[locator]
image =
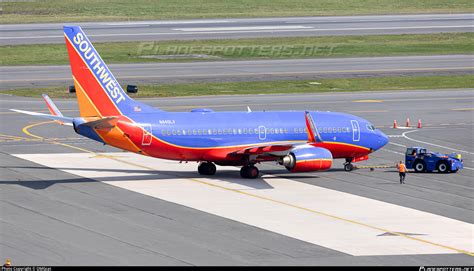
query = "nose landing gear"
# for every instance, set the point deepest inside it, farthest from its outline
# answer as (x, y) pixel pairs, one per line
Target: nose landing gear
(348, 165)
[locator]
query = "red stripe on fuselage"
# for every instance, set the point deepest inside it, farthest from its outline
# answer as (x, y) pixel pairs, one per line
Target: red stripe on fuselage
(89, 83)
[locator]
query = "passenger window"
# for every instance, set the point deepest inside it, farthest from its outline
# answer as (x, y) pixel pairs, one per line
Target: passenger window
(204, 132)
(178, 132)
(214, 131)
(184, 132)
(168, 132)
(245, 131)
(240, 131)
(219, 131)
(174, 132)
(194, 132)
(199, 132)
(296, 130)
(163, 132)
(250, 131)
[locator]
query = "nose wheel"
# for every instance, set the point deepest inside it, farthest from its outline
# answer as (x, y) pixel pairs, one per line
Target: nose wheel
(348, 166)
(207, 168)
(249, 172)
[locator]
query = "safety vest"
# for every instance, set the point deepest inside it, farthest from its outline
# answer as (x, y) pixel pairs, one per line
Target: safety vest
(402, 168)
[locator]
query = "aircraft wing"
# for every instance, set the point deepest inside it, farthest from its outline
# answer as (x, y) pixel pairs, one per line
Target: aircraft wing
(283, 147)
(268, 148)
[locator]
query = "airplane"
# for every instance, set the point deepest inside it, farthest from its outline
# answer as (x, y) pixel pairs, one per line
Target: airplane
(300, 141)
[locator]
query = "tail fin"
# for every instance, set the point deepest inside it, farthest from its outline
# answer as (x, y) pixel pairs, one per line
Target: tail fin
(98, 92)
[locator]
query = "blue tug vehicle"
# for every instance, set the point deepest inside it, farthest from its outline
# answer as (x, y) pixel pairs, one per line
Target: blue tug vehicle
(421, 160)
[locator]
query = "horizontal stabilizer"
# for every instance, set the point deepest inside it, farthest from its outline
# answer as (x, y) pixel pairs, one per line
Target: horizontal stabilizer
(65, 120)
(104, 123)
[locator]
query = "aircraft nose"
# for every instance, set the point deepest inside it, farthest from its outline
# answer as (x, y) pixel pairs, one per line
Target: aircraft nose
(382, 140)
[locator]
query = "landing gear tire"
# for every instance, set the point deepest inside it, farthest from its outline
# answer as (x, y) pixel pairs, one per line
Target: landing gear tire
(443, 167)
(249, 172)
(207, 168)
(348, 167)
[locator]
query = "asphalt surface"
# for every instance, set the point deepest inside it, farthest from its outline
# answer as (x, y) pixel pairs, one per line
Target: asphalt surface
(52, 217)
(43, 76)
(241, 28)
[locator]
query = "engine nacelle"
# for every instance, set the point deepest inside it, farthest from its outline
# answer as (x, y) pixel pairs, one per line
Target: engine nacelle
(307, 158)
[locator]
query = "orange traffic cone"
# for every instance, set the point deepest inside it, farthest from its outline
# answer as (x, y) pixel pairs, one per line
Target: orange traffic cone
(408, 122)
(419, 123)
(394, 124)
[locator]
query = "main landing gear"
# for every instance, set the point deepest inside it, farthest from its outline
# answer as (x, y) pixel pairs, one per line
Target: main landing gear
(348, 165)
(207, 168)
(249, 172)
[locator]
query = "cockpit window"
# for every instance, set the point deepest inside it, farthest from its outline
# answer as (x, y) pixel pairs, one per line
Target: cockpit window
(371, 127)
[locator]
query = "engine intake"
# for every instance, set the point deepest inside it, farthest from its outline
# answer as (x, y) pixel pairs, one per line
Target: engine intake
(307, 158)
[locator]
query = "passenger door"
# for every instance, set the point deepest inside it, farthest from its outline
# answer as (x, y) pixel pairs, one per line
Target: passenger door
(355, 130)
(262, 133)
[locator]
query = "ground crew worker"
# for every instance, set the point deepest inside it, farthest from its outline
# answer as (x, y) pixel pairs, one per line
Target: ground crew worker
(402, 169)
(7, 263)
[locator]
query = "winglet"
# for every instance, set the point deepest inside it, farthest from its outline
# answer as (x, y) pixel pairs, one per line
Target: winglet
(313, 134)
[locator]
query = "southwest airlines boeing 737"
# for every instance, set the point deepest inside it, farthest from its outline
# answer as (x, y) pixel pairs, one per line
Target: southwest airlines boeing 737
(301, 141)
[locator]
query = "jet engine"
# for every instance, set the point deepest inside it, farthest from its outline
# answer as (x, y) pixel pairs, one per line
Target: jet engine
(307, 158)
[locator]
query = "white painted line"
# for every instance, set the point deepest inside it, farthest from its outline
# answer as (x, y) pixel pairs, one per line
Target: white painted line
(240, 28)
(431, 144)
(392, 151)
(169, 22)
(333, 219)
(249, 31)
(396, 144)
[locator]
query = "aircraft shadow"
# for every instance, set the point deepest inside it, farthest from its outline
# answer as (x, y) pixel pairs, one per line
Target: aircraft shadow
(142, 175)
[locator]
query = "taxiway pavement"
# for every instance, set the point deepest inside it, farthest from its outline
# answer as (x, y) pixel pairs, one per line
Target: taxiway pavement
(241, 28)
(54, 211)
(12, 77)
